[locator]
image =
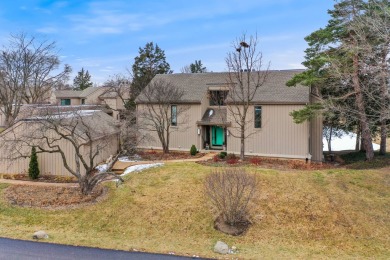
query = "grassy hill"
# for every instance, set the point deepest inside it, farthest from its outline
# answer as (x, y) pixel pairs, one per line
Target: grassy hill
(343, 213)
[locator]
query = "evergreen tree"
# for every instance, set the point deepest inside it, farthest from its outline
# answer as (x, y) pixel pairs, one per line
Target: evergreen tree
(33, 169)
(150, 62)
(196, 67)
(82, 80)
(340, 63)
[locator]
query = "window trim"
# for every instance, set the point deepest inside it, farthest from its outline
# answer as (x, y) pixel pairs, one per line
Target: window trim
(257, 121)
(173, 115)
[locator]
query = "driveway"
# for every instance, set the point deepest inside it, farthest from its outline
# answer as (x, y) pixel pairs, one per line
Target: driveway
(13, 249)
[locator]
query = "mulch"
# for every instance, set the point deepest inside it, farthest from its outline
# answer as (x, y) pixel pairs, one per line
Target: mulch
(158, 155)
(41, 178)
(52, 197)
(268, 163)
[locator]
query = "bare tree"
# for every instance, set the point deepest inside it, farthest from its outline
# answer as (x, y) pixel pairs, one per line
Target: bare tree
(161, 107)
(85, 133)
(27, 75)
(246, 75)
(119, 86)
(231, 192)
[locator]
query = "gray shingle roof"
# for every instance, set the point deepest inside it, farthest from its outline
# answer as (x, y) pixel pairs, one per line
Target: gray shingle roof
(214, 116)
(76, 93)
(195, 86)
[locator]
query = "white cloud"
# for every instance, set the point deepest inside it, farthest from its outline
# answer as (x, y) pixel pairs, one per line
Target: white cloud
(47, 30)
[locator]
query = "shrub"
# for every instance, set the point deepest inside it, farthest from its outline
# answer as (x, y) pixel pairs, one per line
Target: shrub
(231, 156)
(222, 155)
(193, 150)
(33, 169)
(255, 160)
(216, 158)
(231, 192)
(232, 161)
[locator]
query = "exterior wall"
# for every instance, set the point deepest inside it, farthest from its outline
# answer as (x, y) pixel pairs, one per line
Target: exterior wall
(278, 136)
(183, 136)
(49, 163)
(2, 119)
(316, 128)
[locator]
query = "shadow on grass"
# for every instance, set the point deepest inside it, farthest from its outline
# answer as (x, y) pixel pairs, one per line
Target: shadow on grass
(357, 160)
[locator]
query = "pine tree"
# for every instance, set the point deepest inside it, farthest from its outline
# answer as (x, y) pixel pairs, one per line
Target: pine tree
(339, 61)
(150, 62)
(33, 169)
(82, 80)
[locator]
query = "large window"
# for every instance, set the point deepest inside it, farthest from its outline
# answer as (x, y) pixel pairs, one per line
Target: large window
(65, 102)
(217, 97)
(174, 115)
(257, 116)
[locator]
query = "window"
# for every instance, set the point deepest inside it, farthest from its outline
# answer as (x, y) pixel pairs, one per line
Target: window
(174, 115)
(83, 101)
(65, 102)
(257, 117)
(217, 97)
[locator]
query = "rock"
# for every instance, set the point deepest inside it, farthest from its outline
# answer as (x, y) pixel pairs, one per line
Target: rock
(221, 248)
(40, 235)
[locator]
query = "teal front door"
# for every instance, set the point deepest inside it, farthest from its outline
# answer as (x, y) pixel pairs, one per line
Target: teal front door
(217, 136)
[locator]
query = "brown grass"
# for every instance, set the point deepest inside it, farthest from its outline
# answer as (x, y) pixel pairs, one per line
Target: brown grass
(309, 214)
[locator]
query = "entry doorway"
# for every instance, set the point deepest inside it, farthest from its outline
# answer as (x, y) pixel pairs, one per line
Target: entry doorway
(217, 136)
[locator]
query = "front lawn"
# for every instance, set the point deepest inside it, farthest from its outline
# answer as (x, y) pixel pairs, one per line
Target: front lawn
(330, 213)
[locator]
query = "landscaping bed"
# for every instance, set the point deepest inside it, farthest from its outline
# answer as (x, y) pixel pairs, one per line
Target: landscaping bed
(51, 197)
(41, 178)
(156, 155)
(231, 160)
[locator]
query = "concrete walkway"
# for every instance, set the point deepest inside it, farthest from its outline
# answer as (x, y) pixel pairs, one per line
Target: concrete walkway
(118, 167)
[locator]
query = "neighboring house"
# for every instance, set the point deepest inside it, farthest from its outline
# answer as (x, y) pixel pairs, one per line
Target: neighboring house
(115, 99)
(208, 123)
(88, 96)
(105, 139)
(93, 96)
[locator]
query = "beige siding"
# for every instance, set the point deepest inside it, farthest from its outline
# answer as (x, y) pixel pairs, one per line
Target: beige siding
(279, 136)
(183, 135)
(49, 163)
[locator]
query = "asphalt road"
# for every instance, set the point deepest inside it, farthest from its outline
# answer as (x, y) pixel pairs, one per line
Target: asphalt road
(11, 249)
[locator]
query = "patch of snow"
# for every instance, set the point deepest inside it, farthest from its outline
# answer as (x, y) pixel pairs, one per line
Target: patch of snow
(102, 167)
(345, 142)
(141, 167)
(134, 158)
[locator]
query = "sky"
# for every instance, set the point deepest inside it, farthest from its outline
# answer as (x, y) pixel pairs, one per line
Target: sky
(104, 37)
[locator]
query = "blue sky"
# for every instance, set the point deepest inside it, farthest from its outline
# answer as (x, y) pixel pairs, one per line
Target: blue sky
(104, 36)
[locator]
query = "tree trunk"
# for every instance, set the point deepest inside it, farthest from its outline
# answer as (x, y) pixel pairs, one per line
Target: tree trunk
(242, 139)
(329, 141)
(384, 106)
(85, 187)
(366, 132)
(358, 133)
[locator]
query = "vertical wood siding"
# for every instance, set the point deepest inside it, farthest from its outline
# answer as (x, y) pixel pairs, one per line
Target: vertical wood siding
(278, 136)
(51, 163)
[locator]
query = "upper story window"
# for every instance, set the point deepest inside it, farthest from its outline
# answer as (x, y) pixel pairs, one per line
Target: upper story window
(257, 116)
(218, 97)
(174, 115)
(65, 102)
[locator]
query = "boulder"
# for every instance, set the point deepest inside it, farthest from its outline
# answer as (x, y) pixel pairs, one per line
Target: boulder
(40, 235)
(221, 248)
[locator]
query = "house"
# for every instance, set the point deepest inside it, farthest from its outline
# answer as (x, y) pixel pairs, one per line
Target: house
(112, 98)
(88, 96)
(209, 123)
(93, 130)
